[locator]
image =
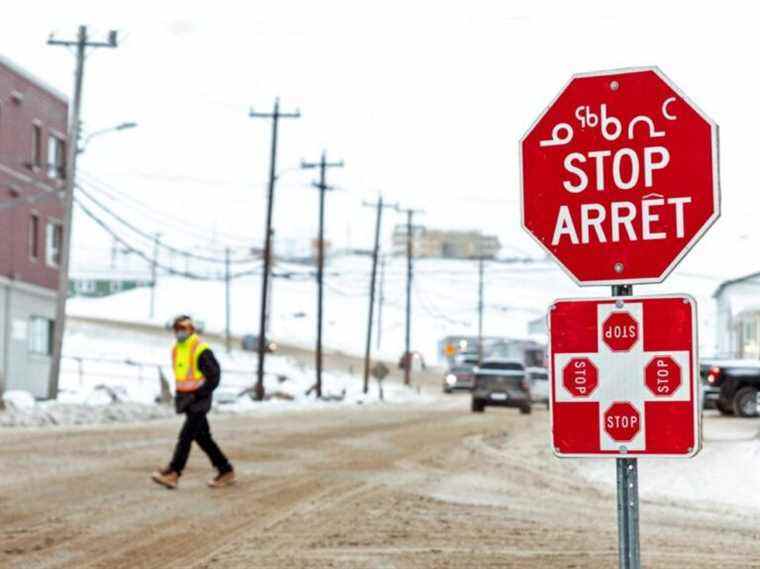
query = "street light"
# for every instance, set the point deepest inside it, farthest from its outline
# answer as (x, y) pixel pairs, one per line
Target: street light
(122, 126)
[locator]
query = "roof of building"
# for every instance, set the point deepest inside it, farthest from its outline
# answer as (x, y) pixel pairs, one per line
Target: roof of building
(110, 275)
(728, 283)
(5, 62)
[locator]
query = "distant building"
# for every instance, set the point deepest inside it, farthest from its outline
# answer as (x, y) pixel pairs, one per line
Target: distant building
(448, 244)
(738, 320)
(99, 285)
(33, 123)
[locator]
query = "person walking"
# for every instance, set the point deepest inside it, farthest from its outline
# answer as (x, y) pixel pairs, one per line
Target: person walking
(197, 374)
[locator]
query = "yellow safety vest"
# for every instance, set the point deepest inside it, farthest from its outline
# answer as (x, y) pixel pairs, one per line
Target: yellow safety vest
(185, 361)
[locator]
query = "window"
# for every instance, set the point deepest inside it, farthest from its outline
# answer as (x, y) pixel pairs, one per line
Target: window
(37, 145)
(56, 161)
(41, 335)
(507, 366)
(34, 237)
(53, 243)
(749, 331)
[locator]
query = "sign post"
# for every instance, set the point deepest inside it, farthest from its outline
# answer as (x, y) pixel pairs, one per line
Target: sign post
(624, 384)
(629, 546)
(619, 180)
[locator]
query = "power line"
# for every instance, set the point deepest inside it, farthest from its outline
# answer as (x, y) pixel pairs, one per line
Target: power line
(150, 237)
(148, 259)
(161, 217)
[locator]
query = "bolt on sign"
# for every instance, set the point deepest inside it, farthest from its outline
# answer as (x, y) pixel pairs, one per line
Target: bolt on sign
(624, 377)
(619, 177)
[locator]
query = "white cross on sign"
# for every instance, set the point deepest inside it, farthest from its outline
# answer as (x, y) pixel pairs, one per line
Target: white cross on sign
(608, 384)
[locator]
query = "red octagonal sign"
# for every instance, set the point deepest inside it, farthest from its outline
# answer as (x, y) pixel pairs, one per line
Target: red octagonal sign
(662, 376)
(620, 177)
(622, 421)
(620, 331)
(580, 377)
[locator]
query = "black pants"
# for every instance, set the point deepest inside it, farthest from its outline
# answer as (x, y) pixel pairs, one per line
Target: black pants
(196, 428)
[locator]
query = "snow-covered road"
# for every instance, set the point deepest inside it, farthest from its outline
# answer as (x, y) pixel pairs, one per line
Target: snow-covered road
(406, 486)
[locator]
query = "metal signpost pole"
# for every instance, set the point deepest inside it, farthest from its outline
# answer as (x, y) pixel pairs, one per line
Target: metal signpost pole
(627, 493)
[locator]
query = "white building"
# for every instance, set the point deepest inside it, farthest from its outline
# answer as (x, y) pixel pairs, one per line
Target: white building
(738, 321)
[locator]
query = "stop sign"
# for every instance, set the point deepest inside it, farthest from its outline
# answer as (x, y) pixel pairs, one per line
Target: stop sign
(622, 421)
(620, 331)
(662, 376)
(620, 177)
(580, 377)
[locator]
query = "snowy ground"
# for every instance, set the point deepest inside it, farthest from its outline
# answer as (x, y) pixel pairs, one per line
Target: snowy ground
(112, 375)
(725, 471)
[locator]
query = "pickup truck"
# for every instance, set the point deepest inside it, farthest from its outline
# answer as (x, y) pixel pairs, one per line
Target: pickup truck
(731, 386)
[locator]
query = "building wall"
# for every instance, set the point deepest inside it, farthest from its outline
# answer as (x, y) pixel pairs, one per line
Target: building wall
(25, 104)
(22, 369)
(738, 304)
(727, 341)
(28, 171)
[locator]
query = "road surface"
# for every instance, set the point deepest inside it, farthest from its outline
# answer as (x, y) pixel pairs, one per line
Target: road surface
(394, 487)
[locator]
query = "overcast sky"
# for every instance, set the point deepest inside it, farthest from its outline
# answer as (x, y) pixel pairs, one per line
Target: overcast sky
(425, 101)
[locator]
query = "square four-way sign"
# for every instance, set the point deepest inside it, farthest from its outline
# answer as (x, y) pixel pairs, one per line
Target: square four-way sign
(624, 377)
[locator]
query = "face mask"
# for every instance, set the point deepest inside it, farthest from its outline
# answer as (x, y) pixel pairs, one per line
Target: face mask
(182, 335)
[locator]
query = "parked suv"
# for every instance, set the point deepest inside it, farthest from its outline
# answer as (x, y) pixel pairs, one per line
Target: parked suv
(539, 385)
(731, 386)
(503, 383)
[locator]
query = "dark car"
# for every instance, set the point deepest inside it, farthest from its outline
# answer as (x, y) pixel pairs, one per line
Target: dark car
(501, 383)
(459, 378)
(731, 386)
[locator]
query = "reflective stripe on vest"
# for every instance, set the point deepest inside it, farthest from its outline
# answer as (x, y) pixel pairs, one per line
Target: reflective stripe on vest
(185, 356)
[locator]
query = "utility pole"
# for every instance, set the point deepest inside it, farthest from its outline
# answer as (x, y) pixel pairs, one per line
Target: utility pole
(275, 115)
(227, 340)
(272, 267)
(481, 270)
(381, 301)
(81, 44)
(409, 256)
(375, 252)
(323, 165)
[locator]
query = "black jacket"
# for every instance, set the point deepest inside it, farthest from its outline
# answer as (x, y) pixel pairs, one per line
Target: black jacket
(199, 401)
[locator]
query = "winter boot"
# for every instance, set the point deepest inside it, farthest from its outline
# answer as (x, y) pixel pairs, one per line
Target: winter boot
(222, 479)
(166, 477)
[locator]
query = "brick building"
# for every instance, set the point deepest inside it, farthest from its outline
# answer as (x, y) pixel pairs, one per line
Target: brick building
(33, 124)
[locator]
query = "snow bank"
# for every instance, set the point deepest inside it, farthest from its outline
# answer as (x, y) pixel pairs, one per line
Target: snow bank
(724, 472)
(53, 413)
(18, 400)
